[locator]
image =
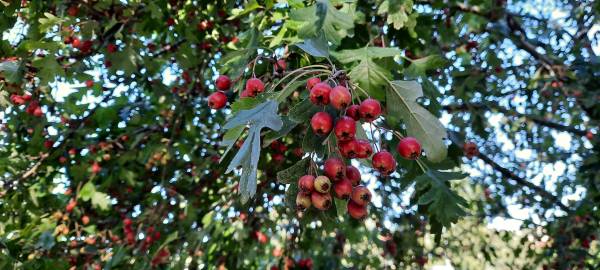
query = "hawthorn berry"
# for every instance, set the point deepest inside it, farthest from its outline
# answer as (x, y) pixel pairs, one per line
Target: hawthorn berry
(280, 65)
(363, 148)
(319, 94)
(320, 201)
(306, 183)
(384, 162)
(343, 189)
(349, 148)
(340, 97)
(89, 83)
(72, 152)
(321, 123)
(322, 184)
(204, 25)
(254, 86)
(409, 148)
(369, 109)
(334, 168)
(217, 100)
(111, 48)
(353, 112)
(303, 201)
(223, 82)
(470, 150)
(72, 11)
(96, 168)
(361, 195)
(357, 211)
(312, 82)
(71, 205)
(345, 129)
(353, 175)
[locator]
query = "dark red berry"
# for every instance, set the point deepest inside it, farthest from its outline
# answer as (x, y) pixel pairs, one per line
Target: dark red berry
(255, 86)
(306, 183)
(363, 149)
(357, 211)
(353, 175)
(312, 82)
(353, 112)
(340, 97)
(345, 129)
(217, 100)
(361, 195)
(334, 168)
(343, 189)
(369, 109)
(349, 148)
(319, 94)
(223, 82)
(320, 201)
(321, 123)
(409, 148)
(384, 162)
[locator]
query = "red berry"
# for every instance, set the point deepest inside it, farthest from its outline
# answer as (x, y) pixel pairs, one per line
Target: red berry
(369, 109)
(127, 222)
(170, 22)
(280, 65)
(111, 48)
(303, 201)
(320, 201)
(306, 183)
(353, 112)
(89, 83)
(343, 189)
(349, 148)
(322, 184)
(363, 149)
(37, 112)
(384, 162)
(334, 168)
(48, 144)
(589, 135)
(68, 40)
(71, 205)
(361, 195)
(72, 11)
(96, 168)
(345, 129)
(409, 148)
(254, 86)
(321, 123)
(353, 175)
(62, 160)
(217, 100)
(223, 82)
(357, 211)
(312, 82)
(319, 94)
(204, 25)
(340, 97)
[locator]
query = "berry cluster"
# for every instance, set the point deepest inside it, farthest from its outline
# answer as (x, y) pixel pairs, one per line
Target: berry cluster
(33, 108)
(315, 191)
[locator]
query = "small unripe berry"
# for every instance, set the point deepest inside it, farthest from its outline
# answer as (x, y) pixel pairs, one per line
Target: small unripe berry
(312, 82)
(303, 201)
(343, 189)
(369, 109)
(345, 129)
(319, 94)
(334, 168)
(384, 162)
(321, 123)
(353, 112)
(306, 183)
(223, 83)
(322, 184)
(320, 201)
(340, 97)
(353, 174)
(255, 86)
(217, 100)
(409, 148)
(357, 211)
(361, 195)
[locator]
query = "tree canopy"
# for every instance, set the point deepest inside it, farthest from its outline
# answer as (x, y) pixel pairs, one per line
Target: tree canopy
(288, 134)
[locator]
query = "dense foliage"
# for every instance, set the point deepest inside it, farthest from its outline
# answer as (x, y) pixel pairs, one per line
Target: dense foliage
(176, 134)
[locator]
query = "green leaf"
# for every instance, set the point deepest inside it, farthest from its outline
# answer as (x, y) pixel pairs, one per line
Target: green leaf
(323, 18)
(11, 71)
(418, 67)
(291, 174)
(368, 74)
(288, 125)
(98, 199)
(341, 206)
(420, 123)
(302, 111)
(316, 46)
(443, 204)
(399, 14)
(49, 21)
(49, 69)
(235, 62)
(261, 116)
(230, 137)
(46, 241)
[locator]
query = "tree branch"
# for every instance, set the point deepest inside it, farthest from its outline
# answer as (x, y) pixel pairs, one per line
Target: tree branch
(512, 175)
